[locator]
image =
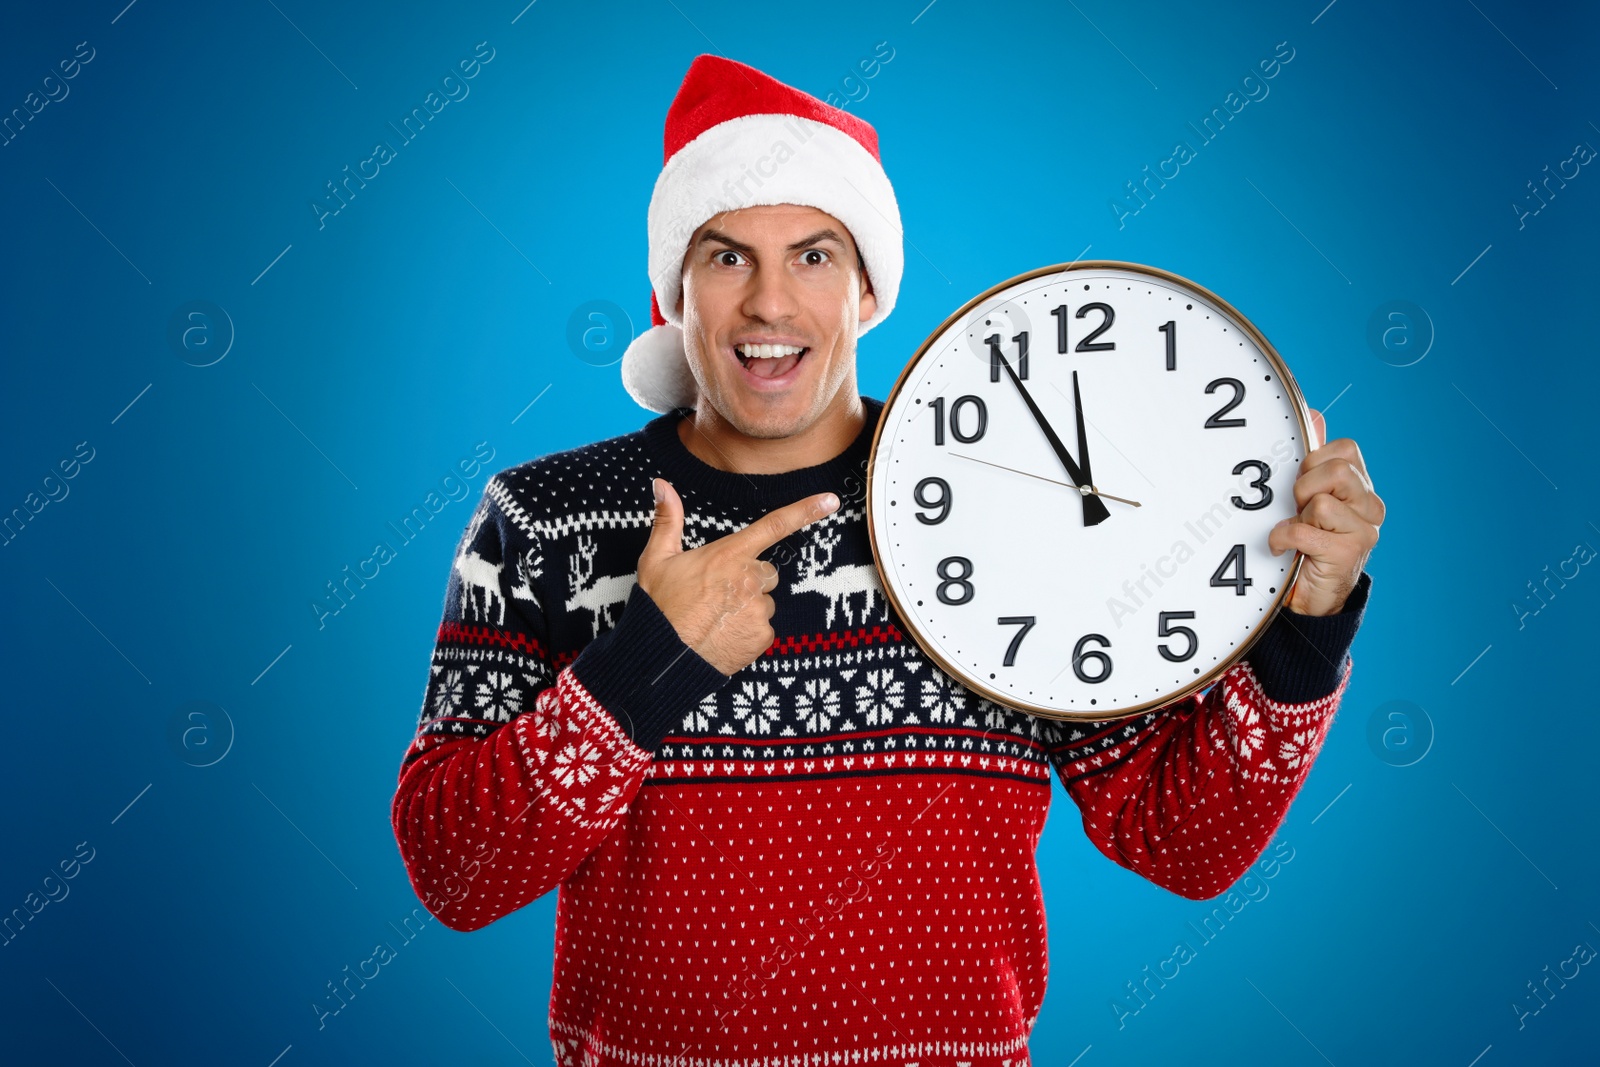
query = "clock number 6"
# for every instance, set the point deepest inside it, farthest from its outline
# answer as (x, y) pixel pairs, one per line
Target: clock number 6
(1026, 622)
(1163, 630)
(957, 580)
(1079, 654)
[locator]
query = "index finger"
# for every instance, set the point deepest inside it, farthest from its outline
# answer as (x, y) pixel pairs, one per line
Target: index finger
(774, 526)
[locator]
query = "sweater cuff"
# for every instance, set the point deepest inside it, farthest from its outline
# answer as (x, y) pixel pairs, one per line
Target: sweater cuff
(644, 674)
(1303, 658)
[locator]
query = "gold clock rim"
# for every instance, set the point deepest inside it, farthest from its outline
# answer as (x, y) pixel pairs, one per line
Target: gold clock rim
(1210, 677)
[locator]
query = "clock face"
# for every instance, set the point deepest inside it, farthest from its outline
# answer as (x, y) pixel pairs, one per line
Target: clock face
(1130, 381)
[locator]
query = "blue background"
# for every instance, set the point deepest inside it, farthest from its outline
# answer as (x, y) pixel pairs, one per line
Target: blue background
(371, 355)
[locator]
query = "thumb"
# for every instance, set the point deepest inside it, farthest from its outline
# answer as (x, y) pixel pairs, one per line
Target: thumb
(666, 532)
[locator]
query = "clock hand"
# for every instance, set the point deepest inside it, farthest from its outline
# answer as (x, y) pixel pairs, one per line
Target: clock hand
(1094, 512)
(1083, 447)
(1083, 440)
(1089, 490)
(1084, 490)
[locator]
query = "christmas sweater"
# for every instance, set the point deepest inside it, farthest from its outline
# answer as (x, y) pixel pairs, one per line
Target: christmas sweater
(829, 857)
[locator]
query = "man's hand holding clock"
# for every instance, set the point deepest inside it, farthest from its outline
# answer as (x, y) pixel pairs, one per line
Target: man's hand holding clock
(1336, 528)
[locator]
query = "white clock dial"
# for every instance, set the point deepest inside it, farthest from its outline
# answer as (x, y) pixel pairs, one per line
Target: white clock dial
(1075, 605)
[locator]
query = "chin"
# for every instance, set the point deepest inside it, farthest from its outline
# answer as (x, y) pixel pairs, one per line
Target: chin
(769, 417)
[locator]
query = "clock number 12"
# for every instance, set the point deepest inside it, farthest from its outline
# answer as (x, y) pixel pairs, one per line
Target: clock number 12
(1088, 344)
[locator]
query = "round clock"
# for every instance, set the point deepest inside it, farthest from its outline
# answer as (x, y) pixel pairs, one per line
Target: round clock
(1072, 483)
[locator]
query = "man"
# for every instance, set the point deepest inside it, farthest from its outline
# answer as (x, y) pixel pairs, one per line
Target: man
(777, 834)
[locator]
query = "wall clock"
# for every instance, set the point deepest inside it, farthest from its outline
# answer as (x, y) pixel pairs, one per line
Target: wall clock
(1072, 483)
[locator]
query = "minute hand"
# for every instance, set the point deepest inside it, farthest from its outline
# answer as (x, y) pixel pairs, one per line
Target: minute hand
(1094, 509)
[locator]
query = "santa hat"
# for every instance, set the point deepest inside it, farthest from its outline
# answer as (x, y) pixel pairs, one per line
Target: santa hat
(737, 138)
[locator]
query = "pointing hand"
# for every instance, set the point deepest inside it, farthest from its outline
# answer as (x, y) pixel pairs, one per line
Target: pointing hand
(716, 596)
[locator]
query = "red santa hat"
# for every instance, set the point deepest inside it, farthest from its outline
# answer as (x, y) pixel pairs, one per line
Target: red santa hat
(737, 138)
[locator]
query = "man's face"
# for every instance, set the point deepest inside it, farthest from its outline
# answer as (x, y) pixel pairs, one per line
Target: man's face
(780, 275)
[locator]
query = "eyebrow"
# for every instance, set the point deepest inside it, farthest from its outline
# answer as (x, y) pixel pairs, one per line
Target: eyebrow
(804, 242)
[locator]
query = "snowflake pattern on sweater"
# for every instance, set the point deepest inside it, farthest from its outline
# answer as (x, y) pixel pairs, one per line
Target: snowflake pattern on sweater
(828, 857)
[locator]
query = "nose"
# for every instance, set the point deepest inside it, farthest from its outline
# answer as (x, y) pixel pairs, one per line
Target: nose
(769, 295)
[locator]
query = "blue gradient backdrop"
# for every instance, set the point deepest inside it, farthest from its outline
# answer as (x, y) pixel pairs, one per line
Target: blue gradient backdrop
(372, 354)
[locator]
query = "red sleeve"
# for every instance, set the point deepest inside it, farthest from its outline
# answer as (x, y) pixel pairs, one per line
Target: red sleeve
(518, 770)
(1189, 795)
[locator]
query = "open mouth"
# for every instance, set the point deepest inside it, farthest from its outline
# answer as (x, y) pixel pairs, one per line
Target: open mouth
(769, 361)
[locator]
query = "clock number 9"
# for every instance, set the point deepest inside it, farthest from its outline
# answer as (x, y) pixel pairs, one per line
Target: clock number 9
(957, 580)
(1079, 654)
(1163, 630)
(955, 419)
(942, 503)
(1260, 483)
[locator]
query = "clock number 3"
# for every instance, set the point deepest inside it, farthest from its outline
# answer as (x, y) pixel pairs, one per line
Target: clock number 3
(1263, 472)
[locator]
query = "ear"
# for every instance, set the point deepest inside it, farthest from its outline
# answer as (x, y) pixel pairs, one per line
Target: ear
(868, 307)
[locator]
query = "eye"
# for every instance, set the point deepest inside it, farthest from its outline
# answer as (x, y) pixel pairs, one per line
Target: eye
(814, 252)
(718, 259)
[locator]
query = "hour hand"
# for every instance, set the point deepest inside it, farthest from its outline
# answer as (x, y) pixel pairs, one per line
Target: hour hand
(1094, 509)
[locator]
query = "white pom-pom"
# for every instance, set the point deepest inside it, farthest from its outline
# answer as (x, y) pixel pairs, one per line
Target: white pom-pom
(656, 373)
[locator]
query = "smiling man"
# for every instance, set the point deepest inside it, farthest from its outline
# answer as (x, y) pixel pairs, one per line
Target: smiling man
(668, 685)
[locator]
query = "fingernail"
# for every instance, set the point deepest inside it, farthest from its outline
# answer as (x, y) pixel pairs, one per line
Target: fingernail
(655, 489)
(829, 502)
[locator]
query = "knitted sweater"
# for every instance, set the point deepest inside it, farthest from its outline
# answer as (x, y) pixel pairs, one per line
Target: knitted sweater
(829, 856)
